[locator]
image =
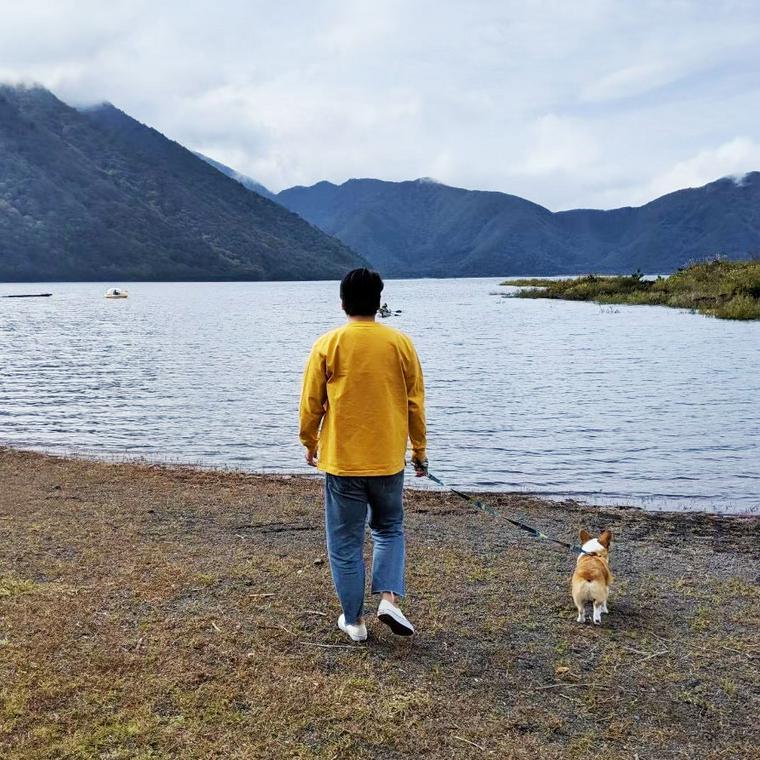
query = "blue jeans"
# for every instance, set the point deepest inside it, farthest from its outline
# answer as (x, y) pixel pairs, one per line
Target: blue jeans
(347, 500)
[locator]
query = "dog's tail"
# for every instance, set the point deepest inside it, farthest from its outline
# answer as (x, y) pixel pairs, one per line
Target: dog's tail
(590, 591)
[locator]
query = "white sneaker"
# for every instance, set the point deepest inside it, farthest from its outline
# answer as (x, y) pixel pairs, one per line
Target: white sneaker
(394, 619)
(355, 632)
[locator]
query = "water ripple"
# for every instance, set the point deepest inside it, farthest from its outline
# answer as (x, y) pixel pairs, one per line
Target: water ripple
(649, 406)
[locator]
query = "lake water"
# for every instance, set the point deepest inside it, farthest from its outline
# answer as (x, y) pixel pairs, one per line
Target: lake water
(646, 406)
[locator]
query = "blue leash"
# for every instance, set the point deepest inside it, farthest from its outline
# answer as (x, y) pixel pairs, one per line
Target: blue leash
(489, 510)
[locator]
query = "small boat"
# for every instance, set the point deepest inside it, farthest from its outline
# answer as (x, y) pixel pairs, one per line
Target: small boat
(116, 293)
(385, 312)
(29, 295)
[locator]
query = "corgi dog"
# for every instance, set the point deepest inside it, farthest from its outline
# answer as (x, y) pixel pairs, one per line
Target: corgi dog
(592, 577)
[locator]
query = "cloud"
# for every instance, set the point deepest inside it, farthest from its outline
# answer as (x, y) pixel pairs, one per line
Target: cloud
(629, 81)
(592, 103)
(731, 159)
(559, 145)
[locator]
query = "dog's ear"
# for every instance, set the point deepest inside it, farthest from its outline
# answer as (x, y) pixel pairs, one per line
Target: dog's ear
(605, 538)
(585, 535)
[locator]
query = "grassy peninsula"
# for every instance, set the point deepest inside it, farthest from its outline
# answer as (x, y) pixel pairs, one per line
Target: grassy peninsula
(154, 613)
(718, 288)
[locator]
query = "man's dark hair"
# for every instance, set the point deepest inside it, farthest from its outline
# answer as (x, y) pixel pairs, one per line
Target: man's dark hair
(360, 292)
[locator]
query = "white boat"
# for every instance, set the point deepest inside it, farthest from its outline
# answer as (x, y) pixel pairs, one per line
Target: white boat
(116, 293)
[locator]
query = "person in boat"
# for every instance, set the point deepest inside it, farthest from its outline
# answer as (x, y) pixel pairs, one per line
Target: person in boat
(363, 399)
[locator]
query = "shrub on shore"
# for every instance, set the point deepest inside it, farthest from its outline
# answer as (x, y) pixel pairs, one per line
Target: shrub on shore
(717, 287)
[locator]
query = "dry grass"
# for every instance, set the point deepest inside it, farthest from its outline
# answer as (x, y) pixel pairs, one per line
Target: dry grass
(716, 287)
(148, 612)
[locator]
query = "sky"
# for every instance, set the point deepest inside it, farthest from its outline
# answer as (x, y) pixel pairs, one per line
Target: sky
(594, 104)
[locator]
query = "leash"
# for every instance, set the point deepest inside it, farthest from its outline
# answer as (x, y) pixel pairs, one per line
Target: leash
(489, 510)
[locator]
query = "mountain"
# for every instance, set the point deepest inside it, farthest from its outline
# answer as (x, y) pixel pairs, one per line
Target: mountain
(243, 179)
(424, 228)
(95, 195)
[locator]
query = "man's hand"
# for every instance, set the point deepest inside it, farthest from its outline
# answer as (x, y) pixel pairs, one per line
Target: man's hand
(420, 467)
(311, 457)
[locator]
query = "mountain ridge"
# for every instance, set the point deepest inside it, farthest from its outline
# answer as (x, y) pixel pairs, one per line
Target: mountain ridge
(96, 195)
(414, 227)
(248, 182)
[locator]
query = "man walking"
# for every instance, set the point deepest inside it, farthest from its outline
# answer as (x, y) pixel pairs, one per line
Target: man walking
(363, 385)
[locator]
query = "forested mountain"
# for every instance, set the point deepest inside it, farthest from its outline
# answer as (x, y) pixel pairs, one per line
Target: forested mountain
(95, 195)
(423, 228)
(243, 179)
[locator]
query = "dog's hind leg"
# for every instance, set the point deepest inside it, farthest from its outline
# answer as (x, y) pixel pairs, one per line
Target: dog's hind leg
(603, 598)
(580, 605)
(598, 609)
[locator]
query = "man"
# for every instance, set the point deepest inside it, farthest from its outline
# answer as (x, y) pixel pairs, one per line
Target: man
(363, 385)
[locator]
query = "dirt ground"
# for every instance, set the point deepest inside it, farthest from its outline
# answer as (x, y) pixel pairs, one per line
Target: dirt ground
(150, 612)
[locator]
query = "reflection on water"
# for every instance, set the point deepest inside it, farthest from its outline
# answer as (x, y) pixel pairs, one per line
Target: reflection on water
(640, 405)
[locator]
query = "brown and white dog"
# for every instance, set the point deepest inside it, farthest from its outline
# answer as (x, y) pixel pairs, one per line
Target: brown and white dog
(592, 577)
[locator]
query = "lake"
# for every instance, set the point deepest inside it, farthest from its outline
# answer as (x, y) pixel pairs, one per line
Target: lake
(646, 406)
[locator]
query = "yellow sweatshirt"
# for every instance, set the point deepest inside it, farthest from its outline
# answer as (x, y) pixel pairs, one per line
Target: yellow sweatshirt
(363, 383)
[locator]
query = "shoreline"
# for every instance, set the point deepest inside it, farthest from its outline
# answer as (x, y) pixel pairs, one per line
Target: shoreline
(151, 611)
(717, 287)
(410, 483)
